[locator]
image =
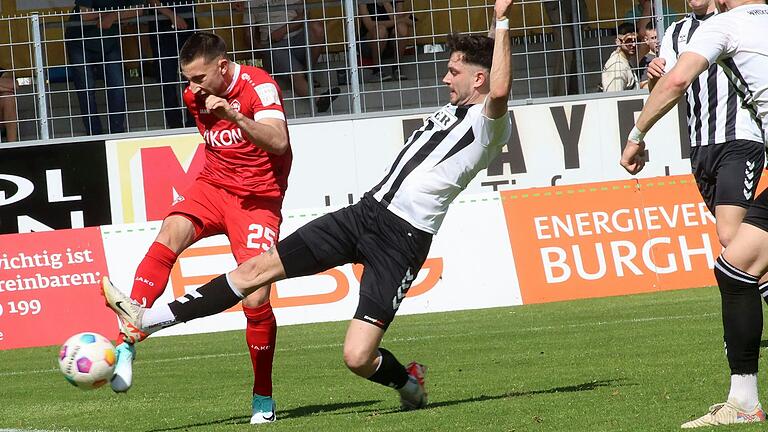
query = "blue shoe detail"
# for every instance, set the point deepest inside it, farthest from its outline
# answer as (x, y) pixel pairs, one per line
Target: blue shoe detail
(122, 380)
(263, 409)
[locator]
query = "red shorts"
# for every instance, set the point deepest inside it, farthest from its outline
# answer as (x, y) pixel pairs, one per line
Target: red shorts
(252, 224)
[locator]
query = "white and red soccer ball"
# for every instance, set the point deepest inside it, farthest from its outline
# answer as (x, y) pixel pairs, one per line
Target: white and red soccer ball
(87, 360)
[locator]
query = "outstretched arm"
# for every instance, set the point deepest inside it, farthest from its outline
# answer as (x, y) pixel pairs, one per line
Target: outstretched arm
(501, 68)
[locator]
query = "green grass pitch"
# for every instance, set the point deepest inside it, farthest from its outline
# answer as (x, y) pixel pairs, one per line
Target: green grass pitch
(635, 363)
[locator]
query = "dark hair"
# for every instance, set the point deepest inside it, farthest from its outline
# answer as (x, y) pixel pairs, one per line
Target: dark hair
(477, 49)
(207, 45)
(650, 26)
(625, 28)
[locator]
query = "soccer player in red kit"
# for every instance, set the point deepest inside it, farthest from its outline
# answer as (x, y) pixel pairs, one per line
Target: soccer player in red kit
(239, 112)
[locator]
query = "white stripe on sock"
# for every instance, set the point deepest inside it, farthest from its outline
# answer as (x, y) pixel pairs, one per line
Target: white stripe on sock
(734, 275)
(734, 269)
(232, 287)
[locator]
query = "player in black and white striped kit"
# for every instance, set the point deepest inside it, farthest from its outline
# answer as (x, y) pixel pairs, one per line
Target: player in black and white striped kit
(727, 150)
(734, 40)
(390, 230)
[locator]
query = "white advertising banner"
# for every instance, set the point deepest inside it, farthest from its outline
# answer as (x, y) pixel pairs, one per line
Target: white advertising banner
(539, 208)
(336, 162)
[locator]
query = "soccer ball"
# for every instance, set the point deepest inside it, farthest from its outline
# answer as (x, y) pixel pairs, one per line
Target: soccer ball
(87, 360)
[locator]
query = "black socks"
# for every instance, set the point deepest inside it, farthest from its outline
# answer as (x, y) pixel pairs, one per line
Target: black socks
(214, 297)
(742, 317)
(390, 372)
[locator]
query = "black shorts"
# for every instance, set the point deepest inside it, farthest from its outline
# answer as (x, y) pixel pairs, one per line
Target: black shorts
(391, 250)
(727, 174)
(757, 214)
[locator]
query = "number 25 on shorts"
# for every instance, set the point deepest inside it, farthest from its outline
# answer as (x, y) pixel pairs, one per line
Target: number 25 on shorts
(260, 237)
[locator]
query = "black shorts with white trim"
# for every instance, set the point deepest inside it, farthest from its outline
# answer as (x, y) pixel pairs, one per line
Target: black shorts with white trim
(728, 173)
(391, 250)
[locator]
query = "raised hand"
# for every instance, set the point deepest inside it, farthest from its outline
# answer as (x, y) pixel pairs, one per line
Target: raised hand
(502, 8)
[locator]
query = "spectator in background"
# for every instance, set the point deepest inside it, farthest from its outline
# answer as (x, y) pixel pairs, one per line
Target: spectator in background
(171, 27)
(617, 72)
(384, 25)
(562, 16)
(8, 113)
(651, 46)
(642, 18)
(652, 40)
(284, 31)
(93, 43)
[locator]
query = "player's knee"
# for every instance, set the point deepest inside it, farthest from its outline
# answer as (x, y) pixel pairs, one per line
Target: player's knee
(725, 235)
(725, 239)
(357, 360)
(176, 233)
(257, 298)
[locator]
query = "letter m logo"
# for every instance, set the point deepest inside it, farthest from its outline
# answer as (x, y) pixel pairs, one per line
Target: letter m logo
(164, 176)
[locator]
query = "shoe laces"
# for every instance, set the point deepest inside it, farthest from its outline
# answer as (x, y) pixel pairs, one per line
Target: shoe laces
(716, 407)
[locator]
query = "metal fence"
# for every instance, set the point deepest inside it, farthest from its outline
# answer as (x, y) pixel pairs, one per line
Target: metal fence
(112, 71)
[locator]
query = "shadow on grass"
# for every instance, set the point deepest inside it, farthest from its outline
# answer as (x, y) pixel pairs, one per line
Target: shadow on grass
(335, 407)
(282, 414)
(763, 343)
(588, 386)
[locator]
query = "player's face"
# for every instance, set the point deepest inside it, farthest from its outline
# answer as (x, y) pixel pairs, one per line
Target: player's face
(207, 77)
(462, 79)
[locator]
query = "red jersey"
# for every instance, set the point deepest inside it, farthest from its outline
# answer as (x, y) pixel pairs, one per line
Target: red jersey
(231, 161)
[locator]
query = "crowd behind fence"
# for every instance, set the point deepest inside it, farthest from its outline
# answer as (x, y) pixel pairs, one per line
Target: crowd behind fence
(90, 72)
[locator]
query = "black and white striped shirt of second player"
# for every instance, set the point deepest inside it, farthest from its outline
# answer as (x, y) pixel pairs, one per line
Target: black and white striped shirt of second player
(438, 162)
(727, 150)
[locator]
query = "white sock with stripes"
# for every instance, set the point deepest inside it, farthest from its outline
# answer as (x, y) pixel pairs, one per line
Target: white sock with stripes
(159, 314)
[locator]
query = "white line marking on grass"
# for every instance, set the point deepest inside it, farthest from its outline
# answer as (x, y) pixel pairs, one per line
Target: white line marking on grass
(24, 430)
(28, 430)
(42, 430)
(625, 321)
(401, 339)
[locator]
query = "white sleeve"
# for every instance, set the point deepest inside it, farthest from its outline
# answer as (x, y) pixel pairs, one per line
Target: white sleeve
(496, 132)
(666, 50)
(714, 40)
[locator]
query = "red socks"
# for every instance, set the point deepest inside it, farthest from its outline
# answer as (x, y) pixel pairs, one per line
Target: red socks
(260, 334)
(261, 329)
(152, 274)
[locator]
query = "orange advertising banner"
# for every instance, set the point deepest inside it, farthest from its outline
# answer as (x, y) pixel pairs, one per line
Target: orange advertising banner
(49, 287)
(611, 238)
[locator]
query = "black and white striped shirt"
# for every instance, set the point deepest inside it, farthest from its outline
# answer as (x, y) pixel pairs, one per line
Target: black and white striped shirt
(438, 161)
(715, 110)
